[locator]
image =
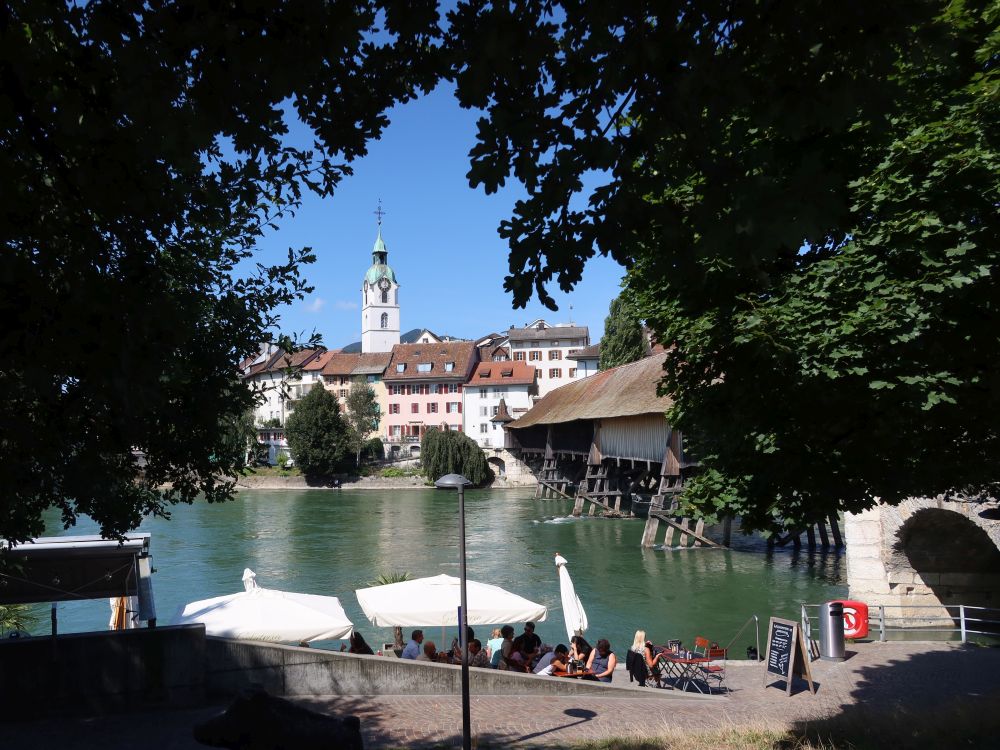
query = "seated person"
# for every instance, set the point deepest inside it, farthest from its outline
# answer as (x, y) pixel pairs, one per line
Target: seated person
(477, 656)
(554, 661)
(501, 656)
(602, 661)
(579, 649)
(358, 645)
(493, 646)
(430, 652)
(643, 664)
(520, 656)
(412, 650)
(455, 652)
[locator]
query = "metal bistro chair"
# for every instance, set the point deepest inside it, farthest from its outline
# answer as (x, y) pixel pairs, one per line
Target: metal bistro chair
(713, 673)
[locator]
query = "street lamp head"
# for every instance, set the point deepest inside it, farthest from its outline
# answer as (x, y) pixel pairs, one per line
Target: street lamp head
(449, 481)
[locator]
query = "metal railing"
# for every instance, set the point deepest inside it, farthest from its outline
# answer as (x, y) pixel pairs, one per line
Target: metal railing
(887, 620)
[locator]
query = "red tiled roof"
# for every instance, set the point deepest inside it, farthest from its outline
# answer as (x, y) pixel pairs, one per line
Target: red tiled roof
(462, 353)
(372, 363)
(503, 373)
(319, 363)
(281, 360)
(341, 364)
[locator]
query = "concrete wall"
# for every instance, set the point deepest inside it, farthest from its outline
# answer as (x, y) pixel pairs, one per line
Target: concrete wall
(925, 552)
(91, 673)
(290, 670)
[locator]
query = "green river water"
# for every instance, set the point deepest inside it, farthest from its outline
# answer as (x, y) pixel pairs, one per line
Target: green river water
(335, 541)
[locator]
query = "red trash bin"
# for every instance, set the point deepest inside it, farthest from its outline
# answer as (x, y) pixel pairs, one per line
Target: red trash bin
(855, 619)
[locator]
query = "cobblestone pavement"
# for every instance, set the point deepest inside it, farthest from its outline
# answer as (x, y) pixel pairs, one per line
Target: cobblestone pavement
(876, 679)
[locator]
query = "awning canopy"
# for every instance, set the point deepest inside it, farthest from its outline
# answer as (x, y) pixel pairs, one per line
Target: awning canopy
(71, 568)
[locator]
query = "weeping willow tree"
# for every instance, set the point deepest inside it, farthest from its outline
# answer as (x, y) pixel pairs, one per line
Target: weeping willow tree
(452, 452)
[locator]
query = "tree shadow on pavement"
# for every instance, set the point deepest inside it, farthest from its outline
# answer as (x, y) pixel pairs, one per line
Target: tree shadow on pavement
(932, 699)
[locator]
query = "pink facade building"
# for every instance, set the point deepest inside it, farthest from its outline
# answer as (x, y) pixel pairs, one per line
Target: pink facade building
(424, 384)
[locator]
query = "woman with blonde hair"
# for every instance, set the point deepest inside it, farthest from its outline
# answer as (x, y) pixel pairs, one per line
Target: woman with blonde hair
(641, 662)
(493, 645)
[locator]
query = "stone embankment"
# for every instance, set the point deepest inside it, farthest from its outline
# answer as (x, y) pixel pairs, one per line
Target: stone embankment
(300, 483)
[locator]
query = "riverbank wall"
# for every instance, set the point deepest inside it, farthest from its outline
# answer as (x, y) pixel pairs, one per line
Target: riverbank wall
(252, 482)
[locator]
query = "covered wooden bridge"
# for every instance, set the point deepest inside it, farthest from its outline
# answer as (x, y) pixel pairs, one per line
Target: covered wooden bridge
(605, 443)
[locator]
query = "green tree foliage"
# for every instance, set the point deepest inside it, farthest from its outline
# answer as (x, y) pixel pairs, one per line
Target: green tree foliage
(452, 452)
(623, 339)
(362, 414)
(805, 195)
(143, 153)
(319, 439)
(16, 617)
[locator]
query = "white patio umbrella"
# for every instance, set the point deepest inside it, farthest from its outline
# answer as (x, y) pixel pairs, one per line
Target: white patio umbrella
(426, 602)
(259, 614)
(573, 614)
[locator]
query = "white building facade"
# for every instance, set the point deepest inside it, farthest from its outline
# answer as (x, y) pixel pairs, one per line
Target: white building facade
(547, 348)
(514, 382)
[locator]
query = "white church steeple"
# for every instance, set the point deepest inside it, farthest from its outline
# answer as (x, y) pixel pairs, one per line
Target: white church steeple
(379, 299)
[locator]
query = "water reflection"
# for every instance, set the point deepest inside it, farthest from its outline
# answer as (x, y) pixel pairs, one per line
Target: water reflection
(332, 542)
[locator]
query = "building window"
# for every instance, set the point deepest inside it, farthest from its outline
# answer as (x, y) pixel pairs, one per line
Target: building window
(385, 301)
(449, 366)
(483, 392)
(555, 354)
(432, 408)
(519, 356)
(373, 378)
(424, 367)
(496, 410)
(534, 356)
(396, 430)
(396, 390)
(454, 407)
(555, 373)
(572, 372)
(424, 389)
(483, 411)
(401, 367)
(385, 318)
(484, 428)
(498, 390)
(414, 408)
(554, 343)
(452, 387)
(343, 393)
(394, 408)
(438, 388)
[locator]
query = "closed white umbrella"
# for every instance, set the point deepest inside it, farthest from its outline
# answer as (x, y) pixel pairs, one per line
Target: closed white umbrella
(428, 602)
(259, 614)
(573, 614)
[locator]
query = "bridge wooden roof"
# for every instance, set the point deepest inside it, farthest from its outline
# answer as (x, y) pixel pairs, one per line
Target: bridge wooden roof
(625, 391)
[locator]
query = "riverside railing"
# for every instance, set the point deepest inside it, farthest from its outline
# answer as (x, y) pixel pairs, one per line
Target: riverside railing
(888, 620)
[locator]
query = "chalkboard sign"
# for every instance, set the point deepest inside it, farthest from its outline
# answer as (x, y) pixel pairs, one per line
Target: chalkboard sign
(786, 655)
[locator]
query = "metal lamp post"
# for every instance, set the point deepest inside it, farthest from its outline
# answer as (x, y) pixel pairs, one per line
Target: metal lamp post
(459, 482)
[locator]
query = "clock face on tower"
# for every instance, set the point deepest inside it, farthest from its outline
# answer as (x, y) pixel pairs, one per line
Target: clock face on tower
(383, 284)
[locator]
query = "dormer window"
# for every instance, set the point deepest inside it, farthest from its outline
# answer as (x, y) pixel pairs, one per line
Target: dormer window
(449, 366)
(401, 367)
(507, 372)
(484, 373)
(424, 367)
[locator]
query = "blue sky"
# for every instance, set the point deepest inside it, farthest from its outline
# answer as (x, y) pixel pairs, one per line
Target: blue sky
(440, 233)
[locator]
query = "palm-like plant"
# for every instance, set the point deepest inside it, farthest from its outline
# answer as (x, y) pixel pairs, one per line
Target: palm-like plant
(16, 617)
(384, 579)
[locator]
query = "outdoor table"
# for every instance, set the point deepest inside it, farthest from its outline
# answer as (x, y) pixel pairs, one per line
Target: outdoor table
(685, 672)
(578, 673)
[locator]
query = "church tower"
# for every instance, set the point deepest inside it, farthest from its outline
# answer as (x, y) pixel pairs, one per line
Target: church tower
(379, 300)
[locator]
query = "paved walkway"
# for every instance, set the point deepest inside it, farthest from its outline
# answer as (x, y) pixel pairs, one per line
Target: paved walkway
(876, 680)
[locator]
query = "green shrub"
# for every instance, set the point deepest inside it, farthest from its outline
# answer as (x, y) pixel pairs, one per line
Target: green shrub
(452, 452)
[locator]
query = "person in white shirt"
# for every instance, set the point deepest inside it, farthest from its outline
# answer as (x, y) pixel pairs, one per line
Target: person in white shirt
(554, 661)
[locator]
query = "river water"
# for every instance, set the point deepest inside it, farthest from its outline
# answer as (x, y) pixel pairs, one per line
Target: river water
(335, 541)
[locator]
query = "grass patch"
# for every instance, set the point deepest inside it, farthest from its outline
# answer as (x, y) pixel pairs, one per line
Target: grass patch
(391, 472)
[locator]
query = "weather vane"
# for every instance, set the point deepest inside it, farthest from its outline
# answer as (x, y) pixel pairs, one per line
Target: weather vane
(379, 213)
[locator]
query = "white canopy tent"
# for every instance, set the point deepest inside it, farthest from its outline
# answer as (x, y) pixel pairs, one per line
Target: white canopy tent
(428, 602)
(259, 614)
(573, 614)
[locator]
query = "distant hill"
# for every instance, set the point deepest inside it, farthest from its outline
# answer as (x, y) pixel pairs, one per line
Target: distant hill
(410, 337)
